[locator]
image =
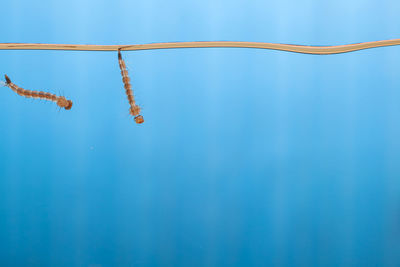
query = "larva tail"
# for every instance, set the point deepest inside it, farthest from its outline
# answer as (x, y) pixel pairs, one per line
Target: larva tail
(8, 81)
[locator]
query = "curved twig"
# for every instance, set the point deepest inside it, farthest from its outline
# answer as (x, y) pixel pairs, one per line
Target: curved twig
(318, 50)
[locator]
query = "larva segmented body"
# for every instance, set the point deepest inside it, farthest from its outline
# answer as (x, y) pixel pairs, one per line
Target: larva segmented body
(134, 109)
(61, 101)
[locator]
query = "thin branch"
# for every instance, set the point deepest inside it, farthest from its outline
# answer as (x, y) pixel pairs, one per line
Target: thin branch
(319, 50)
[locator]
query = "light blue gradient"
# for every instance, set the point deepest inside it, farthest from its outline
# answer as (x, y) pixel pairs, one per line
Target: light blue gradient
(246, 157)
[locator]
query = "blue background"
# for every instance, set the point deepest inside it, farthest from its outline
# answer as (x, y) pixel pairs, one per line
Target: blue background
(246, 158)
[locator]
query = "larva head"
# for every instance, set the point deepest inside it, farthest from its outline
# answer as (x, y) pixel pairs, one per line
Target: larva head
(139, 119)
(119, 54)
(62, 102)
(7, 79)
(69, 105)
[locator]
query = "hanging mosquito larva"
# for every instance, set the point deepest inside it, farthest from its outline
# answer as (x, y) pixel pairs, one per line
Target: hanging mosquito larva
(61, 101)
(134, 109)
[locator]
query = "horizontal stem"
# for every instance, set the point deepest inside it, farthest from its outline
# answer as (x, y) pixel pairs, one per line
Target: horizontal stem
(319, 50)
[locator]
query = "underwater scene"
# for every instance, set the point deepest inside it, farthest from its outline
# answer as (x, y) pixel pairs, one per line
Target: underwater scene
(218, 156)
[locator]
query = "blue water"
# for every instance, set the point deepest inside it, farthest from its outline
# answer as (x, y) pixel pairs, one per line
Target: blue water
(246, 157)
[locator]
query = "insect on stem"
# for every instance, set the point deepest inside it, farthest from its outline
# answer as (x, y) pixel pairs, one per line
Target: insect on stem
(134, 109)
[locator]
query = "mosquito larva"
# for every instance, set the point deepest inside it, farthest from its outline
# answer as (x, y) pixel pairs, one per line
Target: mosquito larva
(61, 101)
(134, 109)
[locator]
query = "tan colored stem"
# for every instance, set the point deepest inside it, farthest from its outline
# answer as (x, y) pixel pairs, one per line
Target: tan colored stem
(319, 50)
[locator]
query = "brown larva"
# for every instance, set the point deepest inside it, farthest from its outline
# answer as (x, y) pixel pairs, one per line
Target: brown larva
(61, 101)
(134, 109)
